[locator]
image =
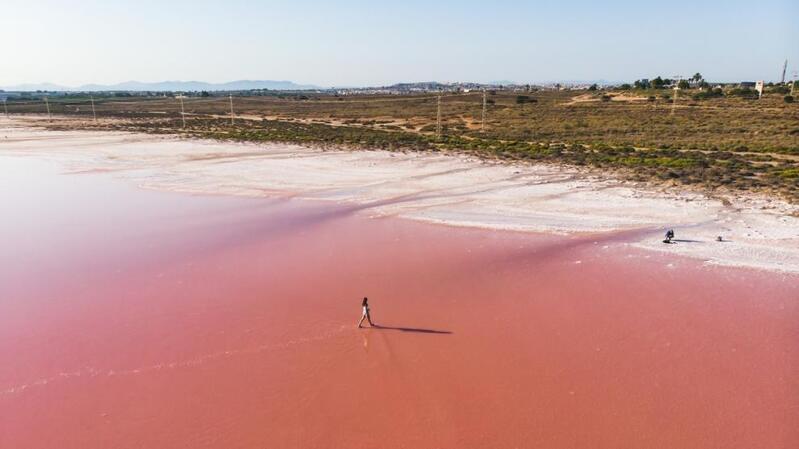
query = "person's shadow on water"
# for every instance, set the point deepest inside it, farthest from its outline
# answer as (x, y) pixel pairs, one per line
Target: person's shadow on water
(410, 329)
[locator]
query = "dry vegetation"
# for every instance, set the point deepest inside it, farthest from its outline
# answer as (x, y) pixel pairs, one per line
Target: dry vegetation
(727, 143)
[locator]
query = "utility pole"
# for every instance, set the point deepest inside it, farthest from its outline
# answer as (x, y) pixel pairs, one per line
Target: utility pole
(5, 106)
(182, 111)
(676, 88)
(483, 120)
(231, 109)
(438, 116)
(94, 112)
(49, 116)
(784, 68)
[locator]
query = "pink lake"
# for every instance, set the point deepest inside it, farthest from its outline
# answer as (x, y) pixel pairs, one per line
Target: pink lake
(142, 319)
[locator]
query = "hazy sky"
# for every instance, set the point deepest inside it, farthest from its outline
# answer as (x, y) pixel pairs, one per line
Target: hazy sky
(348, 42)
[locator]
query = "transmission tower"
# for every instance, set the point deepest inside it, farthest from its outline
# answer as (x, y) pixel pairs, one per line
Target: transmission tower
(438, 116)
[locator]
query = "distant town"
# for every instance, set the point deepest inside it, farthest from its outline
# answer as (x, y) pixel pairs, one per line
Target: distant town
(253, 88)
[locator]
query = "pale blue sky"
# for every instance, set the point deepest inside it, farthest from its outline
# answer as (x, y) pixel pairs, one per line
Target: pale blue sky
(369, 43)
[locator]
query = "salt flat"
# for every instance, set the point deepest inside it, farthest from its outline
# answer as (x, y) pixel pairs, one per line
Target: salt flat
(443, 188)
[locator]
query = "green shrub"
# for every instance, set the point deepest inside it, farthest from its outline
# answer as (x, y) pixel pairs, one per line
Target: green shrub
(744, 92)
(791, 173)
(709, 93)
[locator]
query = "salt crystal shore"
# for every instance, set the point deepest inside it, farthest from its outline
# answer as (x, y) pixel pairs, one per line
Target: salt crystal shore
(757, 232)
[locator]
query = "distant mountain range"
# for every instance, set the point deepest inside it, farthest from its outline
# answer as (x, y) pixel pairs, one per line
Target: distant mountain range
(171, 86)
(243, 85)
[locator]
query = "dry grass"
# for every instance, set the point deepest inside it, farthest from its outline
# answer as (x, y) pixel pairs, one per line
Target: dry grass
(726, 143)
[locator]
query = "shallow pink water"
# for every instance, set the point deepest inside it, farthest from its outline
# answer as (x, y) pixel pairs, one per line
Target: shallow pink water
(134, 319)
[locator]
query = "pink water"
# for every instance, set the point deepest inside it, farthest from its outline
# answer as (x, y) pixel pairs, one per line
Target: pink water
(132, 319)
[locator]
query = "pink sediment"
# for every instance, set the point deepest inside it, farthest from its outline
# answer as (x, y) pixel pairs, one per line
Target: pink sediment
(219, 322)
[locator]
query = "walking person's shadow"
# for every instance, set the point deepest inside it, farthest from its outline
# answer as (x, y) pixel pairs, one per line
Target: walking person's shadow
(410, 329)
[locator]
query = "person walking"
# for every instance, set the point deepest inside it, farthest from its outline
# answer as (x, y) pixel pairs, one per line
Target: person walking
(365, 306)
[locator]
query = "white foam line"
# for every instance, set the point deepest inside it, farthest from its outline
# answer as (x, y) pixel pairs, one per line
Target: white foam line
(90, 371)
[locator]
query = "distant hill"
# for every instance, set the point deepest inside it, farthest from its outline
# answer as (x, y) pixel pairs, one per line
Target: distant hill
(172, 86)
(503, 83)
(38, 86)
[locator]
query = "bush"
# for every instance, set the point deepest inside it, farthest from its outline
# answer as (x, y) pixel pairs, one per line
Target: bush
(745, 92)
(709, 93)
(522, 99)
(787, 99)
(791, 173)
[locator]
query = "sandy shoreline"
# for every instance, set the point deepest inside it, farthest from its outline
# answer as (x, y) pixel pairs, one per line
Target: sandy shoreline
(447, 189)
